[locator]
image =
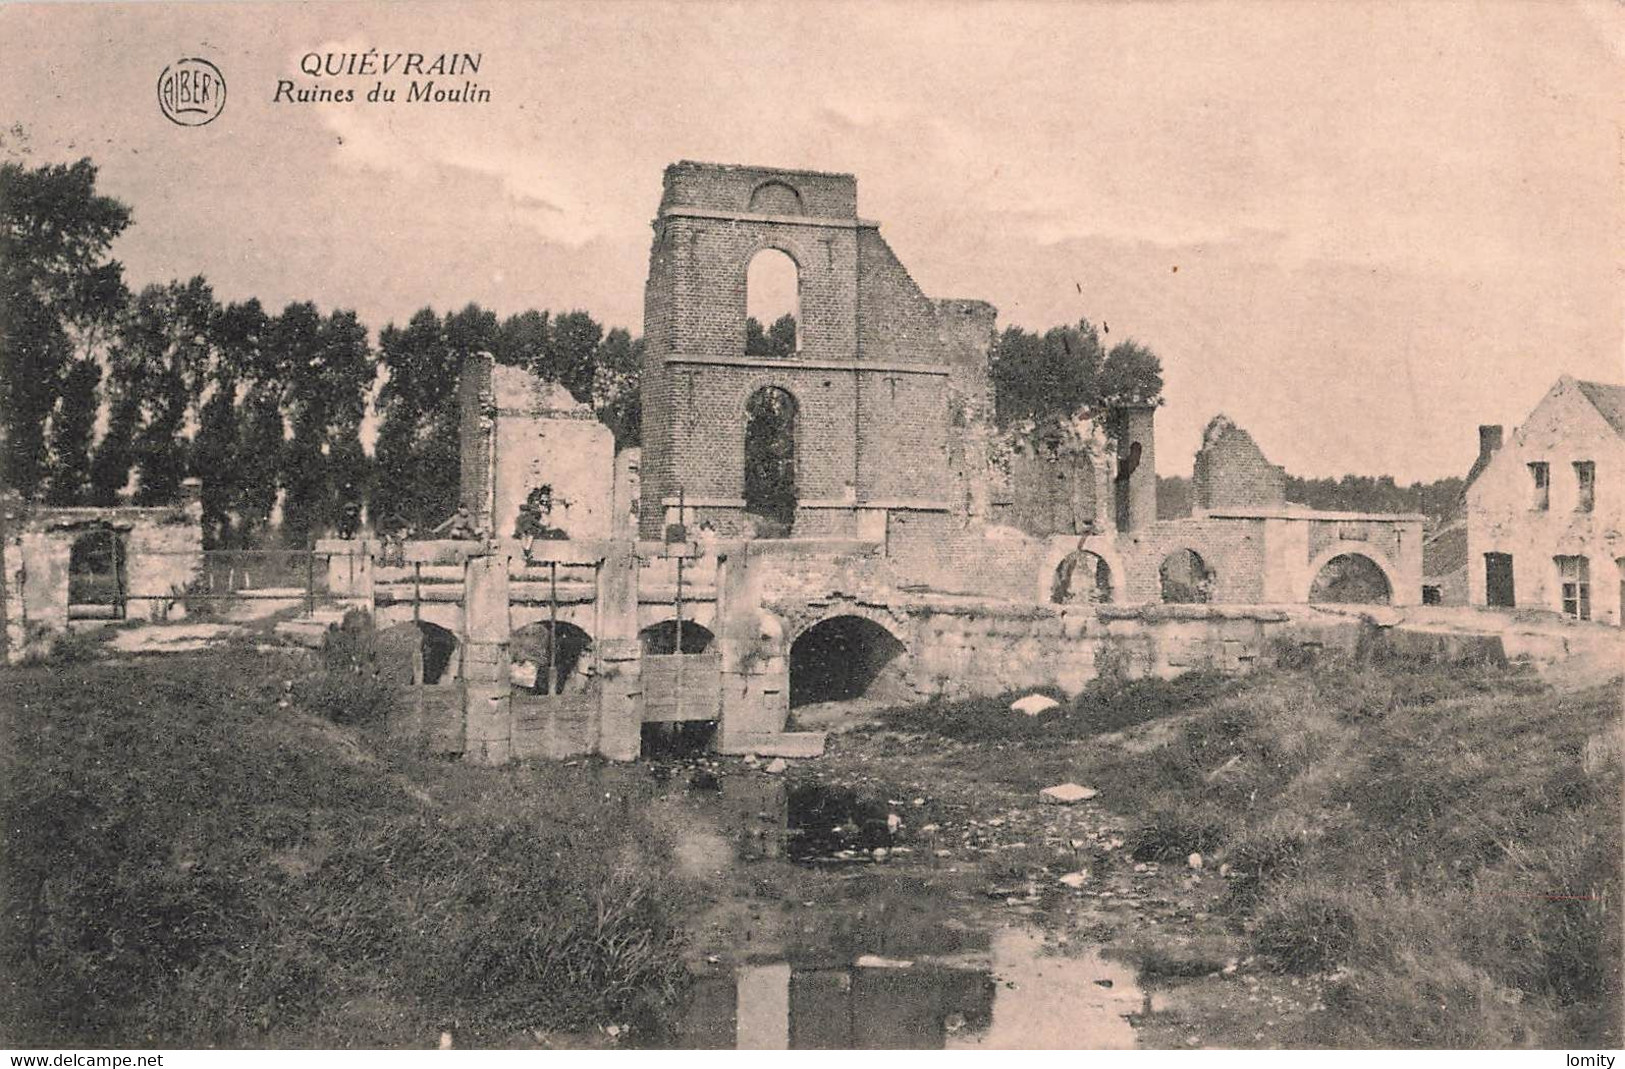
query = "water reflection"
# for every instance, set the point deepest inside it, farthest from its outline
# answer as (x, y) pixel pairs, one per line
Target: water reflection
(884, 958)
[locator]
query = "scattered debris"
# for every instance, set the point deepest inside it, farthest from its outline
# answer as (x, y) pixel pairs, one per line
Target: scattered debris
(1066, 794)
(1076, 879)
(775, 766)
(1033, 704)
(875, 961)
(1195, 861)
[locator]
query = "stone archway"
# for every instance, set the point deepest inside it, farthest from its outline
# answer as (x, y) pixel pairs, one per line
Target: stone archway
(1185, 578)
(1083, 577)
(662, 638)
(844, 657)
(1055, 557)
(1350, 577)
(536, 655)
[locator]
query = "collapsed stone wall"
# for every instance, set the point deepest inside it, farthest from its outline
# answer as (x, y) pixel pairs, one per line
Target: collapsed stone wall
(162, 550)
(519, 434)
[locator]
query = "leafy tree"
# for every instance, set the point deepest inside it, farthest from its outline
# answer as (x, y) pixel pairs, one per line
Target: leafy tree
(160, 362)
(1041, 377)
(231, 470)
(59, 295)
(329, 370)
(73, 423)
(572, 347)
(1065, 373)
(522, 341)
(615, 394)
(418, 452)
(1131, 375)
(778, 340)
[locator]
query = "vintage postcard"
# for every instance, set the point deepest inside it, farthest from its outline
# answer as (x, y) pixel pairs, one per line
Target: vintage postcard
(696, 525)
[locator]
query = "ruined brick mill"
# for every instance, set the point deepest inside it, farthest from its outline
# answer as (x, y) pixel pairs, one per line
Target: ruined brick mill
(837, 521)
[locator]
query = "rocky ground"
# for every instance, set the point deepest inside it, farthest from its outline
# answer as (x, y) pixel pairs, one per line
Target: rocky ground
(921, 812)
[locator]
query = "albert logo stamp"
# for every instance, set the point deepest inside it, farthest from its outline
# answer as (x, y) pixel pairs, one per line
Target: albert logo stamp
(191, 92)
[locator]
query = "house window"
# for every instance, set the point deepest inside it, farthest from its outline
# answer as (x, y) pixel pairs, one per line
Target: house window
(1585, 476)
(1575, 575)
(1541, 473)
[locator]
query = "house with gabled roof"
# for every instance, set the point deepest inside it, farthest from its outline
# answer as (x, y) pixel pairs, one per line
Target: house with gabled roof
(1545, 512)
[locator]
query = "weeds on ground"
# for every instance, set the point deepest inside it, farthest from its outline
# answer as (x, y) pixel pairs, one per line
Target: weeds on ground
(1108, 704)
(1443, 841)
(190, 862)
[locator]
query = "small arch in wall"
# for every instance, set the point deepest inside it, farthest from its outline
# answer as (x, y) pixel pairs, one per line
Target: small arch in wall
(1185, 578)
(776, 197)
(531, 647)
(1082, 578)
(661, 638)
(846, 657)
(1351, 579)
(439, 653)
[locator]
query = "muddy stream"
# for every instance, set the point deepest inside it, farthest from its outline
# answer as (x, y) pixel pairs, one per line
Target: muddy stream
(837, 927)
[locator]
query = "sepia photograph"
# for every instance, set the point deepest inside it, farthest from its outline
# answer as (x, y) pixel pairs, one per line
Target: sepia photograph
(678, 525)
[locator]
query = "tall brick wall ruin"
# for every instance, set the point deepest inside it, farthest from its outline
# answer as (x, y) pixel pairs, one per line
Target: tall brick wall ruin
(886, 381)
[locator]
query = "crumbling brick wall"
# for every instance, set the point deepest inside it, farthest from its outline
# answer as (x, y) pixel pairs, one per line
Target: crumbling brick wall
(880, 375)
(1232, 471)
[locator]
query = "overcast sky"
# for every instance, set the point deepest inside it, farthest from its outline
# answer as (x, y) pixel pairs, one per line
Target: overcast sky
(1358, 229)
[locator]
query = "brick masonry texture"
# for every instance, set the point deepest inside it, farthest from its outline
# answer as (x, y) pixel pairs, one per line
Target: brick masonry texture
(1232, 472)
(862, 433)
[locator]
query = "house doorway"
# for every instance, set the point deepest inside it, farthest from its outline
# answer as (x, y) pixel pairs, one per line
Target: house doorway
(1498, 589)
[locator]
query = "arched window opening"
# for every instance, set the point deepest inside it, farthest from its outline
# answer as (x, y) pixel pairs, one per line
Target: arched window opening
(776, 198)
(1082, 578)
(661, 638)
(540, 665)
(772, 305)
(847, 657)
(438, 647)
(1186, 578)
(96, 574)
(770, 461)
(1351, 579)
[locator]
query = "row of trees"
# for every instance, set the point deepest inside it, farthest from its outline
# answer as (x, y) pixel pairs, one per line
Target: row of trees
(99, 386)
(1068, 371)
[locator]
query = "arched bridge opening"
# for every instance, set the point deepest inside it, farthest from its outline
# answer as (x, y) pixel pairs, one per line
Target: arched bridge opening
(844, 658)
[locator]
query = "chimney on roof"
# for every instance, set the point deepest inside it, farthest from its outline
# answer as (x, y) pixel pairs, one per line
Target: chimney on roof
(1489, 440)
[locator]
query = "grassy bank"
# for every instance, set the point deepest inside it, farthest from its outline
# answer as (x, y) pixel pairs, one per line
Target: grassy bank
(1442, 843)
(197, 854)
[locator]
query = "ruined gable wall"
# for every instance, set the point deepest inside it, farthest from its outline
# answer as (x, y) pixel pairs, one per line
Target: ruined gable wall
(728, 187)
(1232, 472)
(896, 321)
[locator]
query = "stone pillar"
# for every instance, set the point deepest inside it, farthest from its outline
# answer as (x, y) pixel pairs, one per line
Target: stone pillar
(615, 640)
(1286, 561)
(487, 705)
(1135, 481)
(350, 569)
(750, 660)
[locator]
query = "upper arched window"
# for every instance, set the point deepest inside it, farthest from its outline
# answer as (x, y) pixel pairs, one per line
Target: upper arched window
(772, 304)
(776, 198)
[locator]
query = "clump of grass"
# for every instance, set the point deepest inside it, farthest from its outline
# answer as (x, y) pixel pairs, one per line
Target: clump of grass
(348, 697)
(1307, 927)
(1176, 832)
(190, 864)
(1108, 704)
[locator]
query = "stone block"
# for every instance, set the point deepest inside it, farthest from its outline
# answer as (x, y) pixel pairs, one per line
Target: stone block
(774, 743)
